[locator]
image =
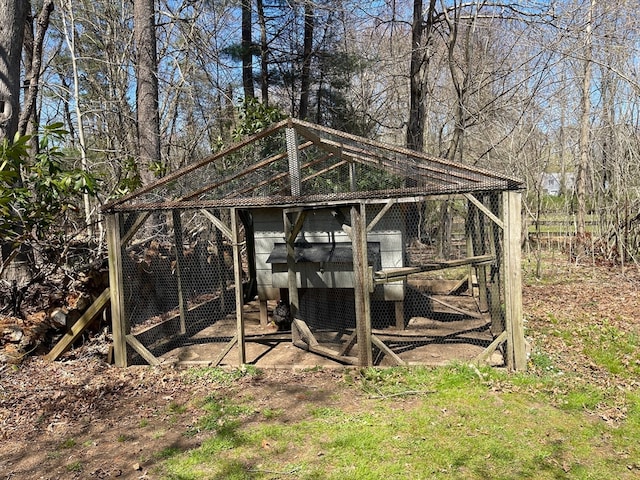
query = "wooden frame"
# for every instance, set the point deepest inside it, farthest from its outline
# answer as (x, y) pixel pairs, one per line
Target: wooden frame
(516, 351)
(361, 284)
(120, 326)
(318, 144)
(237, 278)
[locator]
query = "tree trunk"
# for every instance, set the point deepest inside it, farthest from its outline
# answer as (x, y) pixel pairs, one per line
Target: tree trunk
(247, 51)
(33, 61)
(421, 32)
(69, 33)
(13, 15)
(307, 49)
(264, 54)
(585, 128)
(147, 87)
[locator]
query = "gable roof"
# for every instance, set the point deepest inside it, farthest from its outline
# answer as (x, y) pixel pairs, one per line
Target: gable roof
(328, 166)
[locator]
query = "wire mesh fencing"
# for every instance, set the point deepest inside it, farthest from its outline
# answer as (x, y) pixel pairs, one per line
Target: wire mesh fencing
(433, 287)
(302, 245)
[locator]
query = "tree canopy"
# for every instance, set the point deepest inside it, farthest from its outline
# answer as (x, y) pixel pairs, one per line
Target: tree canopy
(530, 88)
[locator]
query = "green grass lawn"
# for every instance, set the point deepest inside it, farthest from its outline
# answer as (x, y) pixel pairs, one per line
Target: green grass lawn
(451, 422)
(461, 421)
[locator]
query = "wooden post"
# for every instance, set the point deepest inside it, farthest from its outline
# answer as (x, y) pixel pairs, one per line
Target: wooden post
(182, 299)
(491, 233)
(120, 324)
(96, 308)
(399, 313)
(516, 354)
(264, 313)
(237, 278)
(291, 230)
(360, 283)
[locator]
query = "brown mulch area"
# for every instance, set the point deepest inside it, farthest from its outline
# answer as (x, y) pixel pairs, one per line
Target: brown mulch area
(83, 418)
(580, 297)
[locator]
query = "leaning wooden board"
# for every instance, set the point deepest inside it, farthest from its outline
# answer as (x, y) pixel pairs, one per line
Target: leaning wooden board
(80, 326)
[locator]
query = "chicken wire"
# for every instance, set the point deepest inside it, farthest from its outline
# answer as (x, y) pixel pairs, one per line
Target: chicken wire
(297, 162)
(433, 288)
(433, 281)
(177, 282)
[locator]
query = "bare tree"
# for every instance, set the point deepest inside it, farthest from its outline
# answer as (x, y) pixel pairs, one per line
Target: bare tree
(264, 53)
(147, 86)
(33, 56)
(13, 15)
(307, 50)
(421, 38)
(247, 50)
(585, 123)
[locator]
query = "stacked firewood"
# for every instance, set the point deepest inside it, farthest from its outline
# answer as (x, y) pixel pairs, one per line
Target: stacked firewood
(45, 314)
(22, 337)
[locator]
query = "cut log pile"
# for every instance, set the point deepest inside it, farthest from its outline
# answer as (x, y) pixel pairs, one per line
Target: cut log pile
(46, 315)
(37, 332)
(19, 338)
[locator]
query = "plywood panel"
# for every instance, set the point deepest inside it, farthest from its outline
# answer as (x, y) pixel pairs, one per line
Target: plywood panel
(321, 226)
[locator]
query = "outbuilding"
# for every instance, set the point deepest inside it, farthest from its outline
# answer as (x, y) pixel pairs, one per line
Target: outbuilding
(302, 245)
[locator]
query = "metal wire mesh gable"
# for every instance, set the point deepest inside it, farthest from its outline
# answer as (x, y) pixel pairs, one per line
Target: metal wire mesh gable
(332, 166)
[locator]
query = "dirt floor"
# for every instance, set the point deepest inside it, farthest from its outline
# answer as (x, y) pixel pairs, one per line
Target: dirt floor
(443, 341)
(81, 418)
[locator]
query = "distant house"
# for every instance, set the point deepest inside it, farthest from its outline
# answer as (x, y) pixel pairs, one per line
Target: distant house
(551, 182)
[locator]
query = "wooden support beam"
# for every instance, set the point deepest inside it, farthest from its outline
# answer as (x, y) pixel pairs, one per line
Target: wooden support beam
(195, 166)
(516, 352)
(139, 221)
(142, 350)
(219, 224)
(381, 214)
(495, 275)
(301, 335)
(349, 343)
(120, 325)
(80, 326)
(387, 351)
(297, 224)
(475, 260)
(237, 278)
(361, 284)
(324, 170)
(481, 206)
(308, 134)
(461, 311)
(278, 176)
(487, 352)
(227, 348)
(394, 274)
(291, 230)
(303, 338)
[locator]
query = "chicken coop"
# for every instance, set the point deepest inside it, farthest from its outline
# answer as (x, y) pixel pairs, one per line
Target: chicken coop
(304, 246)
